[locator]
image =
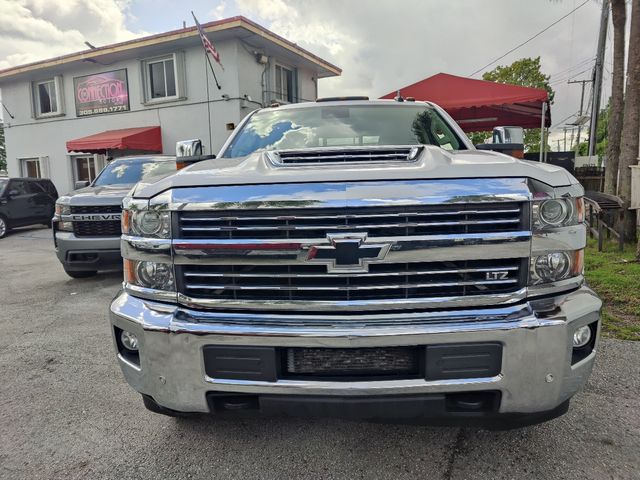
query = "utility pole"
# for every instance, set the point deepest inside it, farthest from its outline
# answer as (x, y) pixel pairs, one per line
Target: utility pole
(558, 140)
(571, 140)
(583, 82)
(597, 76)
(565, 138)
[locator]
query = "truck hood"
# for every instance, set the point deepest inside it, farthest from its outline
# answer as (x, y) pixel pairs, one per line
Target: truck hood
(433, 163)
(100, 195)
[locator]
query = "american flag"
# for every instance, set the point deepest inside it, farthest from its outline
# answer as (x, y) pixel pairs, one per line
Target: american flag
(206, 43)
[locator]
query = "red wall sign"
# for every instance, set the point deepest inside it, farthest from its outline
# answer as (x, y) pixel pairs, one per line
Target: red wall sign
(106, 92)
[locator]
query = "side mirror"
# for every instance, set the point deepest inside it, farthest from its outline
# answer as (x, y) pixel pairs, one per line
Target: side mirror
(13, 193)
(188, 148)
(80, 184)
(189, 152)
(508, 135)
(507, 140)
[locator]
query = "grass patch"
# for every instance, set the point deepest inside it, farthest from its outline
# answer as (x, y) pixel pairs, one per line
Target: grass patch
(615, 276)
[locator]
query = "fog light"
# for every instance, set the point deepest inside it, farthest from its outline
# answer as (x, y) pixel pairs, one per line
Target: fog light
(129, 341)
(581, 336)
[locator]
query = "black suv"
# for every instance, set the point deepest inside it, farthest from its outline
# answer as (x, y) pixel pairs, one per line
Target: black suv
(26, 201)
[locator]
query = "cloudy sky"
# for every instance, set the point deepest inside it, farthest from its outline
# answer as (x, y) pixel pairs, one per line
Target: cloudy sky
(380, 45)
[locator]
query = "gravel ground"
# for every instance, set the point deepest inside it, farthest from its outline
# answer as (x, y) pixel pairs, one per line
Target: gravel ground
(67, 412)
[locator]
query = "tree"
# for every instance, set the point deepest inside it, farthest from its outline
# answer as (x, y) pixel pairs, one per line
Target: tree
(527, 73)
(614, 130)
(630, 141)
(3, 150)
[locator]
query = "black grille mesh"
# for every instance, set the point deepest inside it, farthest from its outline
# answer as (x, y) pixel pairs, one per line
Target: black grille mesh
(107, 228)
(400, 361)
(110, 228)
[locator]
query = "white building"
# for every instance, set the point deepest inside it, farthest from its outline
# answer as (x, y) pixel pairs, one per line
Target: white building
(161, 81)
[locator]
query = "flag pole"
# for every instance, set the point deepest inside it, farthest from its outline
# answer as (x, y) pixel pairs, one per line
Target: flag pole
(212, 70)
(206, 72)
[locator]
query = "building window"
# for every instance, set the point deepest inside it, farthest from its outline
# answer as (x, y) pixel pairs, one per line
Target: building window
(164, 78)
(284, 84)
(31, 167)
(47, 97)
(85, 168)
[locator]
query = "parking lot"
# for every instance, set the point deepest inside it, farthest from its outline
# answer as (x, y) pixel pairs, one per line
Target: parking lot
(67, 412)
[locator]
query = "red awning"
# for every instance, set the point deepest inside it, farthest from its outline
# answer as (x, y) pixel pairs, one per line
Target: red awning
(142, 138)
(479, 104)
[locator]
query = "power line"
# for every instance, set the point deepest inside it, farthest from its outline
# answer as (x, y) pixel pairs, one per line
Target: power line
(528, 40)
(574, 66)
(570, 76)
(560, 123)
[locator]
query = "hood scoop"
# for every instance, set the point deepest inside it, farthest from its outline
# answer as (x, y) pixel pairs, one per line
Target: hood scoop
(344, 155)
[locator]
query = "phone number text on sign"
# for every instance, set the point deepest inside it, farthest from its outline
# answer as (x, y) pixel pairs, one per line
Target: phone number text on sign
(93, 111)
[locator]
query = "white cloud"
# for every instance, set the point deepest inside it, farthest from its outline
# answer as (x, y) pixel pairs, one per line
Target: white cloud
(295, 23)
(218, 12)
(32, 30)
(382, 46)
(265, 9)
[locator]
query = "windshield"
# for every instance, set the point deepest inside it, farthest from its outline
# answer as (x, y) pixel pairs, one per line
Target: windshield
(3, 184)
(343, 125)
(130, 171)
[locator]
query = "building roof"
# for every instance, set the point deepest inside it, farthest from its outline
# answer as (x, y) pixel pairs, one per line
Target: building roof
(225, 25)
(480, 104)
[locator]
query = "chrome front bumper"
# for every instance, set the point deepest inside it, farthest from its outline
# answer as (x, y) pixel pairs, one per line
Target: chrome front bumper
(536, 376)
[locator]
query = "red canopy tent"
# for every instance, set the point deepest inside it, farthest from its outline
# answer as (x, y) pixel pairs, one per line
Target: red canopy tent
(479, 104)
(141, 138)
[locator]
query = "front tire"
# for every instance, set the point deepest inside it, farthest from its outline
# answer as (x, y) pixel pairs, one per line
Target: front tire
(80, 273)
(4, 227)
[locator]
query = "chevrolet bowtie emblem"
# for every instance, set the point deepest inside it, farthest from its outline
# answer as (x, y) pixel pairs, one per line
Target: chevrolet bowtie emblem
(347, 252)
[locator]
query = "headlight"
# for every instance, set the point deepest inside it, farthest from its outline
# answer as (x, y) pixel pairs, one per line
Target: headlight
(147, 274)
(149, 223)
(557, 212)
(143, 222)
(60, 210)
(556, 266)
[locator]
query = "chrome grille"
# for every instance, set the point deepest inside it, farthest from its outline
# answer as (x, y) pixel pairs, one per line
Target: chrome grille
(382, 281)
(376, 221)
(345, 155)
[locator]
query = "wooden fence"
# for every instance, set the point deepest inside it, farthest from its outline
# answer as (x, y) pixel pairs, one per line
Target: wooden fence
(591, 178)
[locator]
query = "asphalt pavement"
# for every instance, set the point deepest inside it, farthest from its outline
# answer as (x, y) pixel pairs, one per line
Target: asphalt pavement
(66, 411)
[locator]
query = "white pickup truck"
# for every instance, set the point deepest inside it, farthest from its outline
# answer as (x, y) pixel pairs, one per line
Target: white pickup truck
(357, 259)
